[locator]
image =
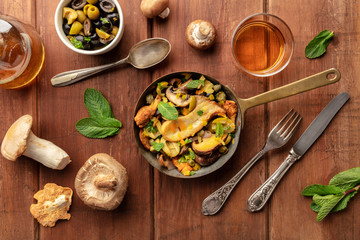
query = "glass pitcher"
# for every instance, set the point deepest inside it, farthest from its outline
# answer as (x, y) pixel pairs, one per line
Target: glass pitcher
(21, 53)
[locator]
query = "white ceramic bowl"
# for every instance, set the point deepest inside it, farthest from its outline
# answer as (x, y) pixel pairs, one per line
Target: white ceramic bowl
(65, 40)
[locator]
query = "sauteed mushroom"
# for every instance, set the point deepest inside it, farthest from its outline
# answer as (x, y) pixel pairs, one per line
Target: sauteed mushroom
(101, 183)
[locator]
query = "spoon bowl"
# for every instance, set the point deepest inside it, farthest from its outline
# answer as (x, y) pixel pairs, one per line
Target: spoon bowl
(143, 54)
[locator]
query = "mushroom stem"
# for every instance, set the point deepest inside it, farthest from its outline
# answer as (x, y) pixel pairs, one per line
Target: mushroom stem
(105, 182)
(46, 152)
(164, 14)
(202, 31)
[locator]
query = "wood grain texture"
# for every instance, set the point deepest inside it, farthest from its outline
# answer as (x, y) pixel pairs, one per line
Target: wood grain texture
(18, 180)
(337, 148)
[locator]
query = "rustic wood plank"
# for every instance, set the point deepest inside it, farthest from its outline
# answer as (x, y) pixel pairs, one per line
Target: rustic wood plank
(61, 108)
(18, 180)
(178, 201)
(336, 149)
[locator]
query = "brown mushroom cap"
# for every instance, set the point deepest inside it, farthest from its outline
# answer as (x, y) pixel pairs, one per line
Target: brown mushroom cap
(101, 183)
(14, 142)
(200, 34)
(152, 8)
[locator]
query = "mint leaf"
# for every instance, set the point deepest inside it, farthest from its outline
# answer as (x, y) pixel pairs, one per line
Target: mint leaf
(93, 128)
(200, 112)
(77, 44)
(219, 129)
(150, 128)
(191, 154)
(321, 190)
(347, 179)
(195, 84)
(328, 206)
(157, 146)
(187, 141)
(96, 104)
(318, 45)
(343, 203)
(167, 111)
(315, 207)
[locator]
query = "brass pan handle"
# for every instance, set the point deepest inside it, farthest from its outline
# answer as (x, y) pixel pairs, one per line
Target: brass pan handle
(324, 78)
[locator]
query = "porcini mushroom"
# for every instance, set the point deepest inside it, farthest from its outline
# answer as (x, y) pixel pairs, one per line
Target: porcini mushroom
(200, 34)
(153, 8)
(101, 183)
(20, 140)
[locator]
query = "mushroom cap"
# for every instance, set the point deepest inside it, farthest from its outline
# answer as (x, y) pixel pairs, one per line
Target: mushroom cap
(152, 8)
(200, 34)
(14, 142)
(101, 183)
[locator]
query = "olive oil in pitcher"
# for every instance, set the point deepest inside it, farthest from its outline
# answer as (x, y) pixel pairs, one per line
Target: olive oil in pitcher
(21, 53)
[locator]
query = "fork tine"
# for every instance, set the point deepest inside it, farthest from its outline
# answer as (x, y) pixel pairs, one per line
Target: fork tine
(281, 121)
(285, 124)
(293, 117)
(294, 128)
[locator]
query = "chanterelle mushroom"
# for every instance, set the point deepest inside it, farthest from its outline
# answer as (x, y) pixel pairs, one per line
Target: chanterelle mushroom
(101, 182)
(153, 8)
(200, 34)
(20, 140)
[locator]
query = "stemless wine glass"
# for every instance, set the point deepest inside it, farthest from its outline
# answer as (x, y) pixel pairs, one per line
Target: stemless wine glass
(21, 53)
(262, 45)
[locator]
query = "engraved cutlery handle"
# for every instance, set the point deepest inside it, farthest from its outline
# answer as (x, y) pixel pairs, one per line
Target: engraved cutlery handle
(258, 199)
(213, 203)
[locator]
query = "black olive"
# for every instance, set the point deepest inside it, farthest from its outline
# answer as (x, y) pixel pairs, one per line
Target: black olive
(107, 6)
(108, 40)
(106, 25)
(114, 18)
(97, 23)
(94, 40)
(84, 40)
(66, 28)
(78, 4)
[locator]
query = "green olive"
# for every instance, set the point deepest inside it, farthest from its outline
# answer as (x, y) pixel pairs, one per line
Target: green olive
(70, 15)
(76, 27)
(81, 17)
(115, 30)
(92, 1)
(102, 34)
(93, 13)
(86, 7)
(221, 96)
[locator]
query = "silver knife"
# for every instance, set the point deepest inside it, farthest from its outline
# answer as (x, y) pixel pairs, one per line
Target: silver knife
(258, 199)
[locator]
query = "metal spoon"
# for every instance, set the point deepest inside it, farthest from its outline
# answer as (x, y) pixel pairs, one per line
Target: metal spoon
(144, 54)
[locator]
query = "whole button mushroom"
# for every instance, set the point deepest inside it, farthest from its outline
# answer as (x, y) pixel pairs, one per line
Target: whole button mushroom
(101, 182)
(153, 8)
(200, 34)
(20, 140)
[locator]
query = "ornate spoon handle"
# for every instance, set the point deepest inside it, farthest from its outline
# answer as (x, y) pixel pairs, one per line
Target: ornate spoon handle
(213, 203)
(258, 199)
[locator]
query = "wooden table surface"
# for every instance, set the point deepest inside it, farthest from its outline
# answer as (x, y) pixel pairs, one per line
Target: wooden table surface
(157, 206)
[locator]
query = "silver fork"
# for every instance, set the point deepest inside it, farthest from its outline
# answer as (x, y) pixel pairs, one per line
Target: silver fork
(277, 138)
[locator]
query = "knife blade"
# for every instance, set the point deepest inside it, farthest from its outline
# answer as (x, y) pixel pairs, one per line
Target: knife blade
(258, 199)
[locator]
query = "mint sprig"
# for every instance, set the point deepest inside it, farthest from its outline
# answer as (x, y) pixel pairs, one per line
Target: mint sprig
(101, 122)
(335, 196)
